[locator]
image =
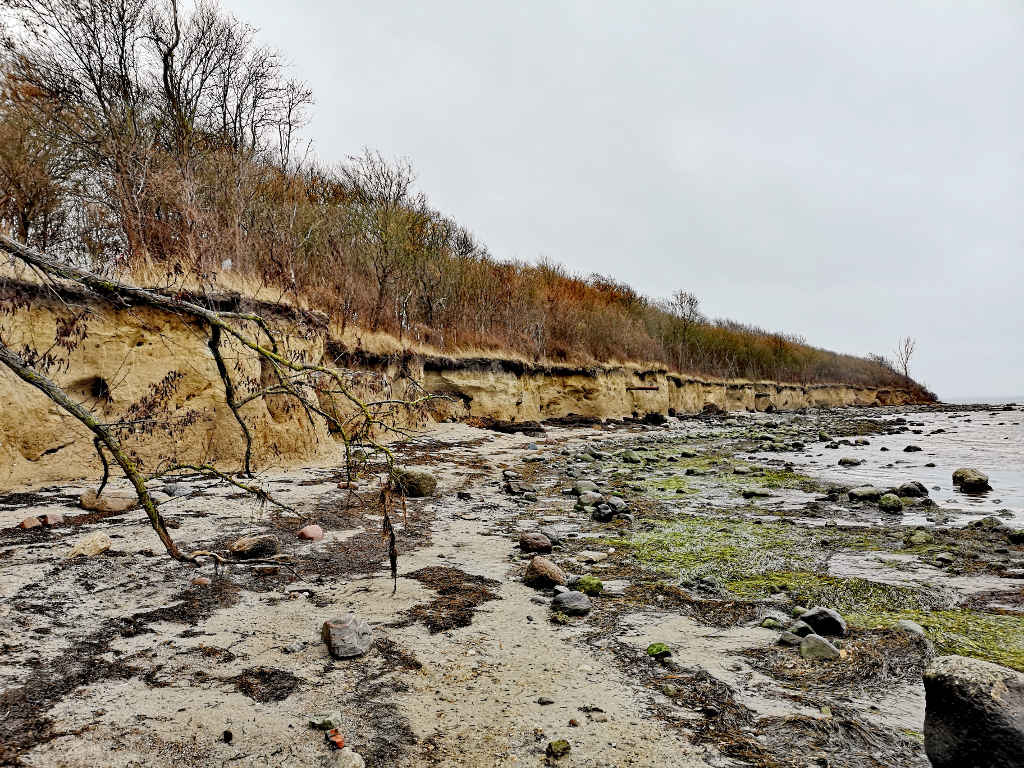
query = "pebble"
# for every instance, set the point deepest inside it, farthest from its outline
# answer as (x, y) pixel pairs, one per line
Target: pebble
(346, 758)
(311, 532)
(91, 545)
(325, 721)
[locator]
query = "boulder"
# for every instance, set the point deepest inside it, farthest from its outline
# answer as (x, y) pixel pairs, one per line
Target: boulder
(251, 547)
(590, 499)
(617, 504)
(584, 486)
(30, 522)
(974, 714)
(912, 449)
(571, 604)
(849, 461)
(109, 501)
(971, 481)
(347, 637)
(541, 573)
(311, 532)
(415, 483)
(816, 647)
(890, 502)
(91, 545)
(912, 490)
(919, 537)
(824, 621)
(631, 457)
(533, 541)
(865, 493)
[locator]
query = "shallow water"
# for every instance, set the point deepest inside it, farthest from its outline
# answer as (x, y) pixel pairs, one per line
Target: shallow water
(992, 442)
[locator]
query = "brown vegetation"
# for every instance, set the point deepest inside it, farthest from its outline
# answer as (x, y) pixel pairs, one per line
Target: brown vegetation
(143, 138)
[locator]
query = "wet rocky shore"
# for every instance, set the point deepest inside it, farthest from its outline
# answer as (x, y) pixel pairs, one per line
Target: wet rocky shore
(724, 590)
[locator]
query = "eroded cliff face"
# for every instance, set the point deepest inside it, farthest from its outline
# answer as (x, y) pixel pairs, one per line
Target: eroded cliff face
(499, 392)
(126, 354)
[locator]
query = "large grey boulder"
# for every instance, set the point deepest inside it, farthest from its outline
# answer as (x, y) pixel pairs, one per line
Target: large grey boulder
(974, 714)
(971, 480)
(347, 637)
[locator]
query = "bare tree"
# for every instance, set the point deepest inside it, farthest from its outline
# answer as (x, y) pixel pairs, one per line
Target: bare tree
(387, 218)
(904, 351)
(685, 306)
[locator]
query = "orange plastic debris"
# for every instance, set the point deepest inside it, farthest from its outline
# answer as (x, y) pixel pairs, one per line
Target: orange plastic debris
(334, 738)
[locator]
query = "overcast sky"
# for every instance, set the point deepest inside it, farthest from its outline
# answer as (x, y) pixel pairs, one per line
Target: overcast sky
(852, 172)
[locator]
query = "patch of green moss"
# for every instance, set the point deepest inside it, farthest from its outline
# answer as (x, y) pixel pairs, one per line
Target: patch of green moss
(849, 596)
(867, 604)
(589, 585)
(785, 478)
(723, 548)
(992, 637)
(674, 485)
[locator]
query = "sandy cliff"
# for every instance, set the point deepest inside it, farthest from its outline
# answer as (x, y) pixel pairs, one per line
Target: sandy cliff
(125, 353)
